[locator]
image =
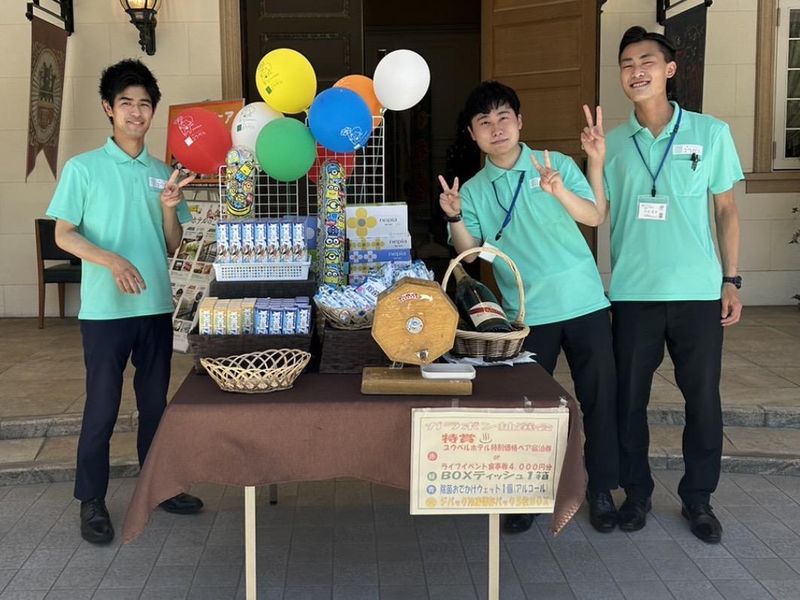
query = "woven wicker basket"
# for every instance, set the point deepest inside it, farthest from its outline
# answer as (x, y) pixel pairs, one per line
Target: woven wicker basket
(257, 372)
(344, 318)
(490, 346)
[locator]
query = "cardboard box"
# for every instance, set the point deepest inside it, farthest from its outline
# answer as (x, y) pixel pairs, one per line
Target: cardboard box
(370, 220)
(357, 257)
(387, 242)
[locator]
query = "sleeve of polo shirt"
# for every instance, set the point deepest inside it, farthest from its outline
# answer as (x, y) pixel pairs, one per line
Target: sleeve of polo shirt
(725, 168)
(69, 199)
(469, 215)
(573, 179)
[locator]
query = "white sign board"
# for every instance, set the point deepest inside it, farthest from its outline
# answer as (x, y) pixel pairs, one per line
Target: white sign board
(473, 461)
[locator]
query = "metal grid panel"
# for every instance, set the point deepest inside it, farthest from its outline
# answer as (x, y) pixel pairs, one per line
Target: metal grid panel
(275, 199)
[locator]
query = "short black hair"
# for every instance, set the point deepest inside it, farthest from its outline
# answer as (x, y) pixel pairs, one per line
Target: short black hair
(124, 74)
(487, 96)
(637, 34)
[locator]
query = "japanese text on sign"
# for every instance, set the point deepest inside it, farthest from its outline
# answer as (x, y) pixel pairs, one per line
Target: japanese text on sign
(486, 461)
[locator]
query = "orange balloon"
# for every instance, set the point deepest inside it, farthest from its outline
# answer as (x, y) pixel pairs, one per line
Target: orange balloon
(362, 86)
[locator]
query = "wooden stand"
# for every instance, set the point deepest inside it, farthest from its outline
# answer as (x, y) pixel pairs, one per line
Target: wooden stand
(408, 381)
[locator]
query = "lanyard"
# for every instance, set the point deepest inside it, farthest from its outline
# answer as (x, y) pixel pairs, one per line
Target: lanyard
(663, 158)
(510, 210)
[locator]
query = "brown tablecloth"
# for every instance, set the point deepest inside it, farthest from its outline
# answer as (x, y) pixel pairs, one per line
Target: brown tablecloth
(320, 429)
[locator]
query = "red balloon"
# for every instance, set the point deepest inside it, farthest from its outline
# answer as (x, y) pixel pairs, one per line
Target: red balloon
(346, 159)
(199, 140)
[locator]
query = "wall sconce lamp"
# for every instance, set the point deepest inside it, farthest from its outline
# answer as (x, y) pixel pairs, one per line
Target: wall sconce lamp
(143, 16)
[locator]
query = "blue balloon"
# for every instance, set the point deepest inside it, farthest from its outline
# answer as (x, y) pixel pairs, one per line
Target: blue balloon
(340, 120)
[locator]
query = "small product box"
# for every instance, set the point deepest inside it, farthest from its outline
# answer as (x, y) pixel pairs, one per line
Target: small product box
(262, 319)
(273, 242)
(285, 242)
(235, 242)
(299, 249)
(248, 241)
(400, 241)
(234, 319)
(223, 250)
(390, 218)
(260, 241)
(275, 319)
(249, 315)
(303, 326)
(220, 317)
(205, 315)
(357, 257)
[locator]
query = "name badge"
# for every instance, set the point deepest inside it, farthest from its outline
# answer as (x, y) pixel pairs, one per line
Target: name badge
(157, 184)
(687, 149)
(653, 209)
(487, 256)
(535, 182)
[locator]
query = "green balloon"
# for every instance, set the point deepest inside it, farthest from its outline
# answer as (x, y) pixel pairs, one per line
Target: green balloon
(285, 149)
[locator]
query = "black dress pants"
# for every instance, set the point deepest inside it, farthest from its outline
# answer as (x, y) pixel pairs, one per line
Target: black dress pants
(693, 336)
(107, 345)
(586, 341)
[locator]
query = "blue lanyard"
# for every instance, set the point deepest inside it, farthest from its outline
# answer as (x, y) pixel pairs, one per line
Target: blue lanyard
(663, 158)
(510, 210)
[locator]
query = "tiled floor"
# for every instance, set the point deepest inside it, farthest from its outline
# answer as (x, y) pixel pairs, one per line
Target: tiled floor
(348, 540)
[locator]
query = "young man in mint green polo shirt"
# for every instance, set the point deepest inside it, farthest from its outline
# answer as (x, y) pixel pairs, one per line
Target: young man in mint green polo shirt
(526, 203)
(120, 210)
(667, 284)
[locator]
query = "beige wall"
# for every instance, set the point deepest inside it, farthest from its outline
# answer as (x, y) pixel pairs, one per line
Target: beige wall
(769, 265)
(187, 65)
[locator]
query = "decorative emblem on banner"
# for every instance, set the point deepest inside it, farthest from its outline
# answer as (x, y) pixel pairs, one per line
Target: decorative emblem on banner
(48, 53)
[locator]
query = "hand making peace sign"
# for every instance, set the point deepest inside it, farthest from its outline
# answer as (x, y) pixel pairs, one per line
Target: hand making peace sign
(173, 191)
(593, 138)
(550, 180)
(450, 199)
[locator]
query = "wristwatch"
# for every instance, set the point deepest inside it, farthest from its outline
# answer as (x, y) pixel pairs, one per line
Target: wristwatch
(736, 281)
(453, 219)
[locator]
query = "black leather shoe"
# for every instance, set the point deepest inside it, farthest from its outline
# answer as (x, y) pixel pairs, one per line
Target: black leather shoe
(96, 525)
(602, 512)
(632, 515)
(182, 504)
(703, 523)
(517, 523)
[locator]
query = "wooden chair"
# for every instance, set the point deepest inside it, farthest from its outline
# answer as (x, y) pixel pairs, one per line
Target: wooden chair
(61, 273)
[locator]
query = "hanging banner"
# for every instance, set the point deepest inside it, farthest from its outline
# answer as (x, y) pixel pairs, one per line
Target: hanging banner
(687, 31)
(48, 54)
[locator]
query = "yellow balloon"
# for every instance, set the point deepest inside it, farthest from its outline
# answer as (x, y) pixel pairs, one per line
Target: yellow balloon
(286, 80)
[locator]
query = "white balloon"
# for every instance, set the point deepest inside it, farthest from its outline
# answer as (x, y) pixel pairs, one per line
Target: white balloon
(401, 79)
(249, 122)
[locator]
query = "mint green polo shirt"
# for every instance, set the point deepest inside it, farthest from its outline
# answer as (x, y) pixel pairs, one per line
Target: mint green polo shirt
(673, 258)
(559, 274)
(114, 201)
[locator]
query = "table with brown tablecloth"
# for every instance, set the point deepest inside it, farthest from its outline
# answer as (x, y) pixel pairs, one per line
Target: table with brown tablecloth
(322, 428)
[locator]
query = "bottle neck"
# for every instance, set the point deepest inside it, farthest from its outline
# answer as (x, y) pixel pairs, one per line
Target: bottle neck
(460, 274)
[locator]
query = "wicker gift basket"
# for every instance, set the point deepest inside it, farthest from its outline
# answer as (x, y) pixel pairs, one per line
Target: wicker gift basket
(491, 346)
(257, 372)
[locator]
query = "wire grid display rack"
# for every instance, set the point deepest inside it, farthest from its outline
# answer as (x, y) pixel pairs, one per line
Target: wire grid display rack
(365, 183)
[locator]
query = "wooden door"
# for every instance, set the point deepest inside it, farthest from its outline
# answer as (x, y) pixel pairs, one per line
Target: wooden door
(328, 32)
(547, 50)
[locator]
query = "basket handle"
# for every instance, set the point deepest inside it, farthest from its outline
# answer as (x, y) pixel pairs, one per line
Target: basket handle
(496, 252)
